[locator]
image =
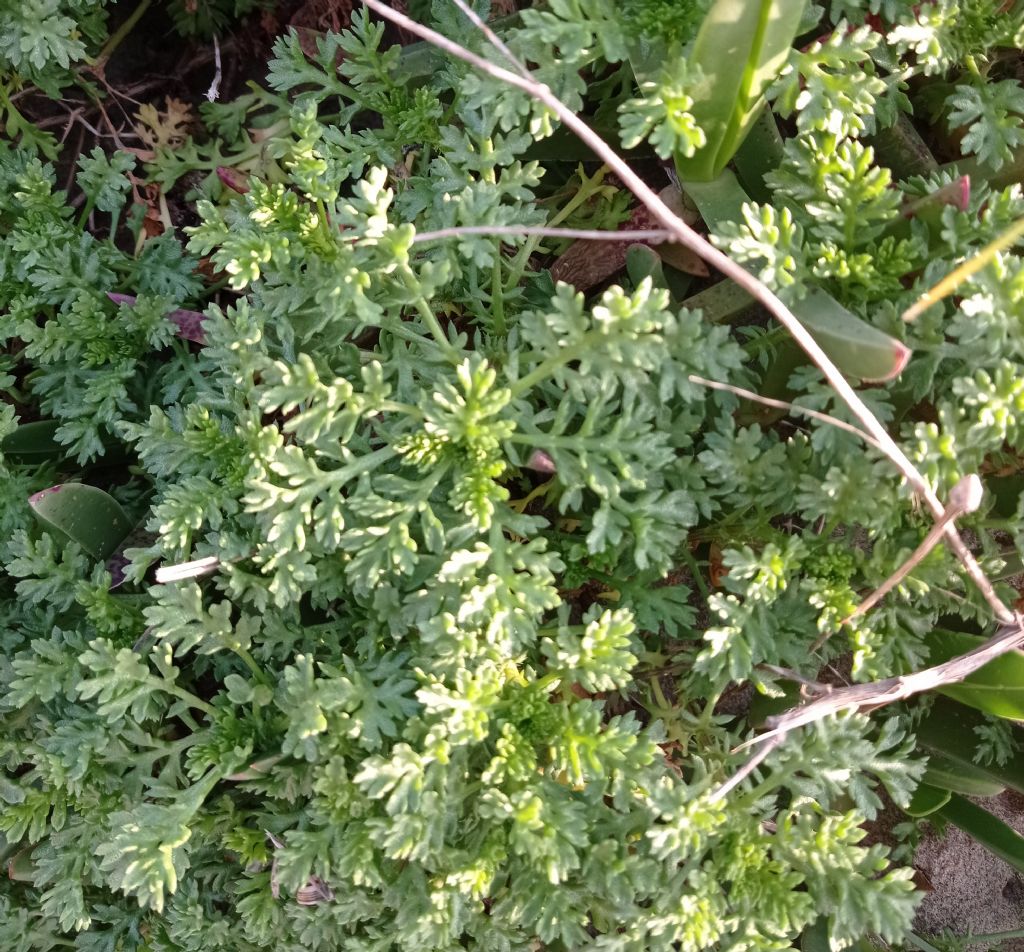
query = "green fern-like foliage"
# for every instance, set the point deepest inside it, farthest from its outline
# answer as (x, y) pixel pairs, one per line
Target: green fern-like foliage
(42, 39)
(420, 669)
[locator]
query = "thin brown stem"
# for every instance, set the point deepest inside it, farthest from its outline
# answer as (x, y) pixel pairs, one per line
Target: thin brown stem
(656, 235)
(790, 407)
(964, 498)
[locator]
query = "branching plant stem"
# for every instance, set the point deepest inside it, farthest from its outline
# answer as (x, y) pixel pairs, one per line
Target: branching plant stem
(964, 498)
(655, 235)
(790, 407)
(860, 696)
(876, 694)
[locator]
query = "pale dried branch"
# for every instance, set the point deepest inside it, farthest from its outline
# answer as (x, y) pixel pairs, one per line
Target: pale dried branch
(213, 92)
(748, 768)
(790, 407)
(493, 38)
(816, 687)
(889, 690)
(657, 235)
(196, 568)
(970, 267)
(965, 497)
(184, 570)
(875, 694)
(689, 238)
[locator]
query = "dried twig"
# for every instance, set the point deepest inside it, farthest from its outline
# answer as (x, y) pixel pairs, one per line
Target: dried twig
(69, 125)
(183, 570)
(875, 694)
(965, 497)
(73, 164)
(749, 767)
(789, 674)
(889, 690)
(214, 91)
(970, 267)
(655, 235)
(106, 118)
(791, 407)
(493, 38)
(868, 697)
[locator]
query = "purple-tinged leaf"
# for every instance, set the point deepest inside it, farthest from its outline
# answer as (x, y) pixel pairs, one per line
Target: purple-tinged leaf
(541, 462)
(956, 193)
(232, 179)
(189, 323)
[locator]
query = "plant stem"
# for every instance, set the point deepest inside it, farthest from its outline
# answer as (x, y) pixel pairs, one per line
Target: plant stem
(430, 320)
(115, 220)
(548, 679)
(167, 750)
(698, 578)
(403, 332)
(498, 294)
(435, 328)
(250, 663)
(191, 700)
(393, 406)
(363, 464)
(588, 188)
(90, 203)
(789, 407)
(547, 367)
(122, 31)
(708, 714)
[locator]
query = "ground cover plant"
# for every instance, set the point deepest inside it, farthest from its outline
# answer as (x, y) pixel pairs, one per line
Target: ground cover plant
(393, 561)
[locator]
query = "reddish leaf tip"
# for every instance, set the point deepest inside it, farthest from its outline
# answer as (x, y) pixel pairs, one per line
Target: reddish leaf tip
(231, 179)
(965, 193)
(36, 497)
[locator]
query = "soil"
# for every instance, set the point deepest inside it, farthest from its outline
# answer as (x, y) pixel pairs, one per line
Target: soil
(972, 890)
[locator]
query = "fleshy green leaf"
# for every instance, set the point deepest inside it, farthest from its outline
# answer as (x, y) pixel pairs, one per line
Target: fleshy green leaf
(927, 799)
(33, 443)
(85, 514)
(997, 688)
(739, 50)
